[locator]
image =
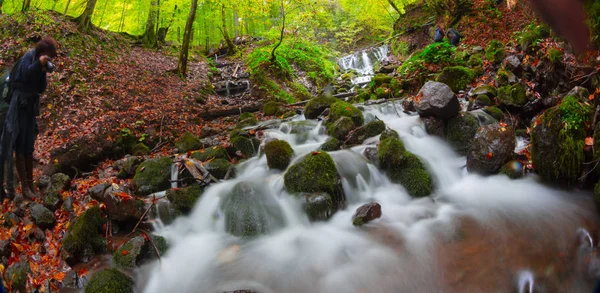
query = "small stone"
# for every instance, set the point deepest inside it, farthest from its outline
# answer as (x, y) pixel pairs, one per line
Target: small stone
(366, 213)
(42, 216)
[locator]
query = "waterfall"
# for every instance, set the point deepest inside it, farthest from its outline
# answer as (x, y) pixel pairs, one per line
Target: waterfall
(586, 238)
(362, 63)
(418, 245)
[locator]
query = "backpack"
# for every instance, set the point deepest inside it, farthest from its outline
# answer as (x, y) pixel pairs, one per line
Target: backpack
(6, 83)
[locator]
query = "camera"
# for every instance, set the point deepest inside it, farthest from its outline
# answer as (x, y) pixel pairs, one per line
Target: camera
(50, 66)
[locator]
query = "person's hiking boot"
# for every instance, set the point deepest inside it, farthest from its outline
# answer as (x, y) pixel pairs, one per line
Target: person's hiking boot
(29, 173)
(23, 177)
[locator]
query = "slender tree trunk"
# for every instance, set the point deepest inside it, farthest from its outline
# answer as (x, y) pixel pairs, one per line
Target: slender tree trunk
(67, 7)
(236, 23)
(2, 1)
(53, 4)
(228, 40)
(150, 32)
(394, 6)
(157, 16)
(103, 12)
(26, 5)
(273, 56)
(85, 20)
(122, 21)
(183, 55)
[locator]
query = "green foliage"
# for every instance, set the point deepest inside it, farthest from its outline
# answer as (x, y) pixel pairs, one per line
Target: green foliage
(475, 61)
(456, 77)
(110, 281)
(574, 114)
(592, 8)
(531, 35)
(495, 52)
(418, 68)
(399, 48)
(555, 55)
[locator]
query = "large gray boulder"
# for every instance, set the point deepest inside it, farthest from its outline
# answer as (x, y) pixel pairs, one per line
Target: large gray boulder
(493, 146)
(437, 99)
(120, 204)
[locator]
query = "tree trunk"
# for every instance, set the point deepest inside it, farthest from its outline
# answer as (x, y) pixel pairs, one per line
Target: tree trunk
(228, 40)
(103, 12)
(150, 32)
(67, 7)
(85, 20)
(394, 6)
(183, 55)
(273, 56)
(157, 16)
(26, 5)
(2, 1)
(53, 4)
(236, 23)
(122, 21)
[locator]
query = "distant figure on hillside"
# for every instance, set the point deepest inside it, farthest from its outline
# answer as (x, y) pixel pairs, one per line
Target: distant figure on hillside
(438, 35)
(454, 36)
(20, 128)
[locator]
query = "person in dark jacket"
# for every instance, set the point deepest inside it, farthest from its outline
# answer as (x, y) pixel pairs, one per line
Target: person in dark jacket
(454, 36)
(20, 127)
(438, 35)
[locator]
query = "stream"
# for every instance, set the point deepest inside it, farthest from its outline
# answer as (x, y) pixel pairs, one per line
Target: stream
(474, 234)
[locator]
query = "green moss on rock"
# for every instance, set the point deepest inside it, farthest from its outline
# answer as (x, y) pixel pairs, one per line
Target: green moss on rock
(218, 168)
(215, 152)
(318, 206)
(251, 121)
(110, 281)
(456, 77)
(555, 55)
(341, 128)
(317, 105)
(495, 52)
(244, 145)
(475, 61)
(342, 109)
(389, 133)
(184, 199)
(84, 236)
(404, 168)
(246, 115)
(487, 90)
(512, 169)
(483, 100)
(512, 96)
(370, 129)
(460, 131)
(279, 154)
(140, 149)
(381, 79)
(188, 142)
(332, 144)
(153, 175)
(272, 108)
(495, 112)
(391, 152)
(16, 274)
(417, 181)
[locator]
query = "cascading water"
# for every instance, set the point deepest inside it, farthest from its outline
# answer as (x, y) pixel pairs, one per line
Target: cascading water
(474, 234)
(586, 238)
(526, 282)
(362, 63)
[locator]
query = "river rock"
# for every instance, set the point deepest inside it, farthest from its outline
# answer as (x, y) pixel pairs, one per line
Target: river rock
(188, 142)
(153, 175)
(127, 166)
(215, 152)
(332, 144)
(342, 109)
(460, 131)
(409, 105)
(250, 210)
(366, 213)
(272, 108)
(513, 63)
(110, 280)
(437, 99)
(434, 126)
(219, 168)
(370, 153)
(341, 128)
(318, 206)
(512, 96)
(317, 105)
(139, 250)
(84, 237)
(513, 169)
(279, 154)
(184, 199)
(244, 146)
(42, 216)
(316, 172)
(404, 168)
(120, 204)
(16, 274)
(456, 77)
(492, 147)
(359, 135)
(59, 182)
(486, 89)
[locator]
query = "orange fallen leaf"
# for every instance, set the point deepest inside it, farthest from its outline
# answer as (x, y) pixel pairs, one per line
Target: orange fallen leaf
(82, 272)
(59, 276)
(125, 252)
(489, 155)
(589, 141)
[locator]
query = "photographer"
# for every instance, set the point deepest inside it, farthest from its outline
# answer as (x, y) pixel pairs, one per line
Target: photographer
(20, 127)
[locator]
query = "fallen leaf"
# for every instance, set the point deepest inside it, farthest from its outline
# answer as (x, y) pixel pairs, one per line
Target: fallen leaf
(59, 276)
(125, 252)
(489, 155)
(589, 141)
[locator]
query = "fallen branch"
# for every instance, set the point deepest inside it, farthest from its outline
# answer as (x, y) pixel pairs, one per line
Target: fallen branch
(230, 112)
(144, 232)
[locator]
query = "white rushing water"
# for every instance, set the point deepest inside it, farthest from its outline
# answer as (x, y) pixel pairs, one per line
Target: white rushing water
(363, 62)
(396, 253)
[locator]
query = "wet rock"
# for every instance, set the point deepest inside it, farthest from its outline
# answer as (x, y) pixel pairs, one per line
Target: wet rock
(434, 126)
(380, 79)
(139, 250)
(342, 109)
(153, 175)
(332, 144)
(215, 152)
(487, 90)
(184, 199)
(247, 122)
(127, 166)
(279, 154)
(16, 274)
(11, 219)
(5, 249)
(359, 135)
(366, 213)
(460, 131)
(513, 96)
(370, 154)
(409, 105)
(513, 169)
(120, 205)
(250, 210)
(188, 142)
(42, 216)
(505, 77)
(495, 112)
(318, 206)
(244, 146)
(84, 237)
(219, 168)
(140, 149)
(580, 93)
(456, 77)
(533, 107)
(438, 100)
(389, 133)
(317, 105)
(513, 64)
(492, 147)
(558, 141)
(272, 108)
(341, 128)
(110, 280)
(480, 102)
(404, 168)
(59, 182)
(316, 172)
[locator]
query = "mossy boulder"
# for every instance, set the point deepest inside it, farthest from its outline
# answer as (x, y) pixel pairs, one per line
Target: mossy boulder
(495, 52)
(246, 115)
(460, 131)
(360, 134)
(84, 237)
(341, 128)
(244, 145)
(434, 126)
(218, 168)
(188, 142)
(513, 169)
(493, 146)
(250, 210)
(139, 250)
(59, 182)
(388, 133)
(184, 199)
(316, 172)
(118, 208)
(332, 144)
(211, 153)
(279, 154)
(404, 168)
(557, 141)
(482, 101)
(487, 90)
(153, 175)
(140, 149)
(505, 77)
(342, 109)
(43, 217)
(16, 274)
(381, 79)
(495, 112)
(456, 77)
(316, 106)
(416, 181)
(475, 61)
(512, 96)
(272, 108)
(581, 93)
(127, 166)
(250, 121)
(110, 281)
(318, 206)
